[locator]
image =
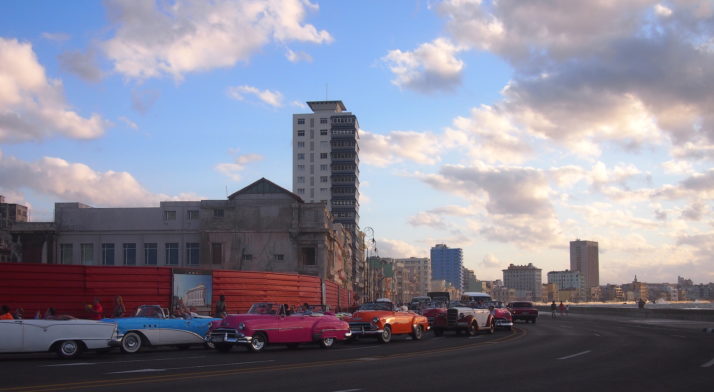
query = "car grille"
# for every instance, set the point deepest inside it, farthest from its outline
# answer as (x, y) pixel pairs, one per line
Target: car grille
(452, 317)
(361, 326)
(229, 333)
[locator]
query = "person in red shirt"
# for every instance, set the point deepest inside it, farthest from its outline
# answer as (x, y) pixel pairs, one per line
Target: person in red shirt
(5, 313)
(97, 309)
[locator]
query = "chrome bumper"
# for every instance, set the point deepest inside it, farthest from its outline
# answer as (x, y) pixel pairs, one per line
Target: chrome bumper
(233, 337)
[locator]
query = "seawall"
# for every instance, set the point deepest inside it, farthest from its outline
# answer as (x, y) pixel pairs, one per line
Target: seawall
(672, 314)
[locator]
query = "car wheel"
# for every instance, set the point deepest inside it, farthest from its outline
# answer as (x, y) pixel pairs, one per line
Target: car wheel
(131, 343)
(69, 349)
(492, 328)
(472, 329)
(258, 342)
(223, 347)
(386, 334)
(418, 333)
(327, 342)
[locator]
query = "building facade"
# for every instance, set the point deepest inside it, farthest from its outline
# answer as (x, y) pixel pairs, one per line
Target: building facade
(525, 279)
(584, 259)
(470, 281)
(568, 280)
(417, 276)
(448, 264)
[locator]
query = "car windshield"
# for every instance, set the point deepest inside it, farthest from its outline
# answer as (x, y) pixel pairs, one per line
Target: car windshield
(521, 305)
(149, 311)
(377, 306)
(495, 304)
(264, 308)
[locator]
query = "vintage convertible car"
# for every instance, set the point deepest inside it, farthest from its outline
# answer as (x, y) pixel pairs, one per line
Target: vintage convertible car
(152, 326)
(468, 317)
(267, 323)
(501, 315)
(68, 338)
(380, 319)
(432, 310)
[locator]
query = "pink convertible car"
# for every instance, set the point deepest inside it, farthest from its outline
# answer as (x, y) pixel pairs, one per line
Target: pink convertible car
(267, 323)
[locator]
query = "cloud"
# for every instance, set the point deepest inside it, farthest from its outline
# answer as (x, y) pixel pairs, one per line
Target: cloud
(295, 57)
(272, 98)
(399, 249)
(398, 146)
(81, 64)
(32, 107)
(128, 122)
(78, 182)
(156, 39)
(57, 37)
(431, 220)
(431, 67)
(233, 169)
(142, 100)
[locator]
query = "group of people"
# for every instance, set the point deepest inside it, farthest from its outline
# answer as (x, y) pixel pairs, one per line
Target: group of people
(95, 308)
(562, 308)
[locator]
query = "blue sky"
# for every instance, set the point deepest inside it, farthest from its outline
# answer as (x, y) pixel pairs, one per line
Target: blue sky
(505, 128)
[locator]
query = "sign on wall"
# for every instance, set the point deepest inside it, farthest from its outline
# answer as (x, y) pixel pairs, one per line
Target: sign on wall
(192, 291)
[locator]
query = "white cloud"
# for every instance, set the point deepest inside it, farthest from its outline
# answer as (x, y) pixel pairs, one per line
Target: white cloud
(272, 98)
(82, 64)
(431, 67)
(57, 37)
(399, 249)
(78, 182)
(295, 57)
(233, 169)
(129, 123)
(32, 107)
(154, 39)
(398, 146)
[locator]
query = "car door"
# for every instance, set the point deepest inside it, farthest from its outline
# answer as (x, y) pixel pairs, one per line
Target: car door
(12, 336)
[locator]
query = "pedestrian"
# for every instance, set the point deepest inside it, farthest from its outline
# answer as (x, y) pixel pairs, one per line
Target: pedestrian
(561, 308)
(119, 308)
(553, 307)
(221, 311)
(96, 308)
(5, 313)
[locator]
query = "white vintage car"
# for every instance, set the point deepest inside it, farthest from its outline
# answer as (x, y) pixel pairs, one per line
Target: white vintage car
(68, 338)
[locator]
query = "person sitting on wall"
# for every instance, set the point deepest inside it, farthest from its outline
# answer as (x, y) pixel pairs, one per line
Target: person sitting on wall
(5, 313)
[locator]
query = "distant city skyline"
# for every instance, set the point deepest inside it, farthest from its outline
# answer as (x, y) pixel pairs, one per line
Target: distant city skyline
(480, 126)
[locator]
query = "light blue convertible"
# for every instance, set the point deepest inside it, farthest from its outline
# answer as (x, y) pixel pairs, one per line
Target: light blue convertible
(153, 327)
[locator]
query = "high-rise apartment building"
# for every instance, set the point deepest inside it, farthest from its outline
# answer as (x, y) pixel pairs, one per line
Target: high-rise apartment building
(525, 279)
(584, 258)
(448, 264)
(326, 159)
(417, 276)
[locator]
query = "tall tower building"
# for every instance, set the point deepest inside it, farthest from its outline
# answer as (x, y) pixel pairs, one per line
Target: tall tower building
(584, 258)
(448, 264)
(326, 159)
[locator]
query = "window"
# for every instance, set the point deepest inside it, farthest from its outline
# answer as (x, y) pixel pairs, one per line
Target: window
(218, 213)
(323, 121)
(65, 254)
(279, 257)
(169, 215)
(192, 214)
(301, 191)
(301, 132)
(247, 257)
(323, 167)
(151, 254)
(87, 253)
(307, 256)
(301, 144)
(216, 253)
(301, 180)
(129, 254)
(323, 155)
(323, 132)
(323, 178)
(192, 254)
(172, 253)
(323, 190)
(301, 121)
(301, 167)
(301, 156)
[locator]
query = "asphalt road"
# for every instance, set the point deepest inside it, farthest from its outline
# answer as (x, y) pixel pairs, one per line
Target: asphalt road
(576, 352)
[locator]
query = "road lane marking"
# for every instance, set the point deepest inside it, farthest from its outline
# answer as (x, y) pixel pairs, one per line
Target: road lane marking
(190, 367)
(575, 355)
(475, 337)
(368, 359)
(72, 364)
(708, 363)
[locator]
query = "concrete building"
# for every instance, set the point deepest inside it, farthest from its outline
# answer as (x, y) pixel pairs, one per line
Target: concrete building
(448, 264)
(525, 279)
(470, 281)
(262, 227)
(584, 258)
(11, 214)
(568, 280)
(417, 275)
(326, 159)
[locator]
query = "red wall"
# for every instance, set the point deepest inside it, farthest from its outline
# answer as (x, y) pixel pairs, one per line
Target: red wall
(68, 288)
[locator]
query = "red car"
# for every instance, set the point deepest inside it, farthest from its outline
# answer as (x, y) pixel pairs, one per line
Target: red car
(501, 315)
(267, 323)
(523, 310)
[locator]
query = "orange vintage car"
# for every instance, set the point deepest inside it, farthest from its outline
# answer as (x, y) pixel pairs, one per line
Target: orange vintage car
(383, 320)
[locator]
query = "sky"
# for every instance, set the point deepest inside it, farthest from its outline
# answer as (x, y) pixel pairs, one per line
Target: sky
(506, 128)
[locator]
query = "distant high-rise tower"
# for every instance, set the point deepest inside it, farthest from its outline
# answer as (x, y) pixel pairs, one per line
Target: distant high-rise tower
(326, 159)
(584, 258)
(447, 264)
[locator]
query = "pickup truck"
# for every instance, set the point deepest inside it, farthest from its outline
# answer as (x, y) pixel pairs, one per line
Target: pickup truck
(523, 310)
(464, 317)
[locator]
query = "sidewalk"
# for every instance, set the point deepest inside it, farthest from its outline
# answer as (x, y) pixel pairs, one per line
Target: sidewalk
(670, 323)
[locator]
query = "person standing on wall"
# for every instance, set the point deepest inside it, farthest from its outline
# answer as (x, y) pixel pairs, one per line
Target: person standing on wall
(119, 308)
(221, 307)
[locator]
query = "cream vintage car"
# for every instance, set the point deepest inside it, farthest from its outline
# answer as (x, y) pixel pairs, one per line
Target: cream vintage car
(68, 338)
